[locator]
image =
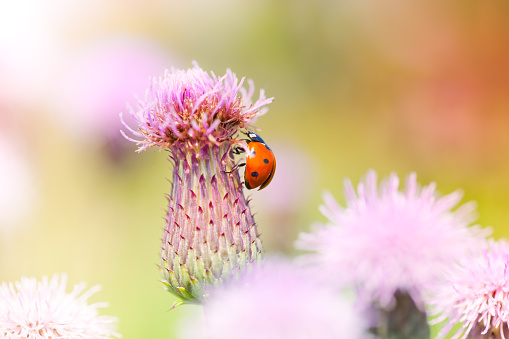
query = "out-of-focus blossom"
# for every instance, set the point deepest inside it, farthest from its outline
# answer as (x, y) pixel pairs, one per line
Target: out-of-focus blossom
(17, 191)
(98, 81)
(42, 309)
(387, 241)
(277, 300)
(476, 295)
(210, 232)
(29, 52)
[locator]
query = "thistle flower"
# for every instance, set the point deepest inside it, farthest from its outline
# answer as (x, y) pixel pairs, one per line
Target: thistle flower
(37, 310)
(476, 295)
(390, 244)
(277, 300)
(98, 81)
(209, 232)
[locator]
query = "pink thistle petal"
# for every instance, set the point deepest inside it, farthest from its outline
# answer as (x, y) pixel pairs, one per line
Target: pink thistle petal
(277, 300)
(476, 294)
(32, 309)
(386, 240)
(183, 105)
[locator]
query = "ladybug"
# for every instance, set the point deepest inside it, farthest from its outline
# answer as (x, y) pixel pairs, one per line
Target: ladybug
(260, 162)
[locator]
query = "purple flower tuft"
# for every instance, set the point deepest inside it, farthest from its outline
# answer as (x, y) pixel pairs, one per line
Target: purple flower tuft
(277, 300)
(32, 309)
(194, 108)
(387, 241)
(476, 295)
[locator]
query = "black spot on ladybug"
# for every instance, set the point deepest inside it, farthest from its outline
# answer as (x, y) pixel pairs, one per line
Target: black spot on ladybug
(266, 161)
(254, 174)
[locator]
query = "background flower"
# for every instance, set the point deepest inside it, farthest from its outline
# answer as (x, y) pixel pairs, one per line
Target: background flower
(32, 309)
(386, 240)
(97, 81)
(476, 295)
(277, 300)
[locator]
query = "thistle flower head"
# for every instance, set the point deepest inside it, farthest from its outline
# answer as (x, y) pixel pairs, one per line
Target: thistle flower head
(38, 310)
(210, 233)
(476, 294)
(195, 108)
(277, 300)
(386, 240)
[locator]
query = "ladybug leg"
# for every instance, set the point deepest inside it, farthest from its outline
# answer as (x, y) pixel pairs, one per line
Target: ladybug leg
(235, 167)
(238, 150)
(238, 146)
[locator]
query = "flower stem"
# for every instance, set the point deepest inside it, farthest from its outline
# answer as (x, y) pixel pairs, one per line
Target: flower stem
(405, 321)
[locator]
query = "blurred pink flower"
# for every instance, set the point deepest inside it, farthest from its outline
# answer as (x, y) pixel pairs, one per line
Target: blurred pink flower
(29, 52)
(100, 79)
(32, 309)
(277, 300)
(476, 295)
(386, 241)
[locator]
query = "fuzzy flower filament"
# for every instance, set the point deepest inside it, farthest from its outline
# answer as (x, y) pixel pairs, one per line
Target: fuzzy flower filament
(476, 295)
(210, 233)
(391, 245)
(194, 108)
(43, 309)
(276, 300)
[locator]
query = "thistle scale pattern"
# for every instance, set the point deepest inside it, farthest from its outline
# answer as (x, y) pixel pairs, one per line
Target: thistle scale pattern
(210, 233)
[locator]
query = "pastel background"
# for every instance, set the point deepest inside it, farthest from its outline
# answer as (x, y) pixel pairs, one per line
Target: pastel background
(391, 85)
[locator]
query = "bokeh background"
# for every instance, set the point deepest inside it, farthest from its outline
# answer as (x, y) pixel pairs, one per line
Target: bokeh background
(392, 85)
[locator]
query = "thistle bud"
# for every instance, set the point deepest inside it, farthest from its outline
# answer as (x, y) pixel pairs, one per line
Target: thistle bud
(210, 234)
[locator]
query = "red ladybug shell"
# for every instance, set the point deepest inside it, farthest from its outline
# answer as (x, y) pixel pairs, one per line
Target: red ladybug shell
(260, 164)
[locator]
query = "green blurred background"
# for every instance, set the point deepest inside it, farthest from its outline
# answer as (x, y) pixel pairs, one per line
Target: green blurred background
(391, 85)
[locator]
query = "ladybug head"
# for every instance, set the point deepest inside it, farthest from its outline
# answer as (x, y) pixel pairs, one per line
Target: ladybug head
(254, 137)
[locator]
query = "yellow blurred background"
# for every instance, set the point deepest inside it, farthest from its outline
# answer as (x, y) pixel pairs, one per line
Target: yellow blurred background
(391, 85)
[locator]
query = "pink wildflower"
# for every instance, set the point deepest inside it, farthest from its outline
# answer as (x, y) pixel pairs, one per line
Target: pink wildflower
(386, 240)
(210, 232)
(39, 310)
(476, 295)
(192, 108)
(277, 300)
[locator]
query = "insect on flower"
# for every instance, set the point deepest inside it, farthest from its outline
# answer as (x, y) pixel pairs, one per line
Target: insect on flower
(260, 162)
(210, 235)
